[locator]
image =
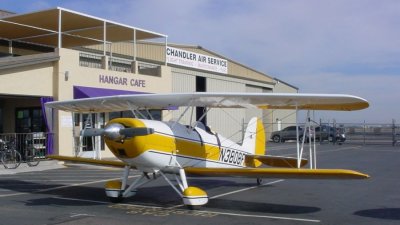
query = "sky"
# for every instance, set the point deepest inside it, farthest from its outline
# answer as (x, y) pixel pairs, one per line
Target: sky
(342, 46)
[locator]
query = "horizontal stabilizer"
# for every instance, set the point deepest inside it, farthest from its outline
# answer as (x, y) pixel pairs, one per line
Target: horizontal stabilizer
(284, 173)
(88, 161)
(276, 161)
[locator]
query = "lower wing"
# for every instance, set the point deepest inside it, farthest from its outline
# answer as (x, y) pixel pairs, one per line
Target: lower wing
(284, 173)
(87, 160)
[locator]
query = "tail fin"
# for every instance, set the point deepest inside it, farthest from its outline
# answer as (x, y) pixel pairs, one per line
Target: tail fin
(254, 137)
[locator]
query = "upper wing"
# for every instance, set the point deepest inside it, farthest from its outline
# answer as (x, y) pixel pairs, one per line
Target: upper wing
(277, 173)
(217, 100)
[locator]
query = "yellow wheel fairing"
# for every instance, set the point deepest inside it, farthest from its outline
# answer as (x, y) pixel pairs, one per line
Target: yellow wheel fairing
(113, 185)
(194, 196)
(194, 192)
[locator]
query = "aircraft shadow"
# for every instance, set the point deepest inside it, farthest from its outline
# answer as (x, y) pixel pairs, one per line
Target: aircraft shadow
(259, 207)
(383, 213)
(161, 196)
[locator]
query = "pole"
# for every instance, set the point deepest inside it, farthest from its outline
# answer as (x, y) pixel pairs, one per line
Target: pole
(393, 132)
(364, 132)
(297, 139)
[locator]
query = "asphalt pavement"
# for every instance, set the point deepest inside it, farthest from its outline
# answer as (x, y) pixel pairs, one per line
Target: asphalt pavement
(54, 193)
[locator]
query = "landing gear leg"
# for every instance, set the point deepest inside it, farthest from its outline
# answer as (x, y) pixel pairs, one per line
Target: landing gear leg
(116, 190)
(193, 197)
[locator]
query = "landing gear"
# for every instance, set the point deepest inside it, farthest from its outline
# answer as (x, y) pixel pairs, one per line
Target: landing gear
(259, 181)
(192, 197)
(116, 190)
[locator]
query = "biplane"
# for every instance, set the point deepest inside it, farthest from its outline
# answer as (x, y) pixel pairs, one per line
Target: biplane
(172, 150)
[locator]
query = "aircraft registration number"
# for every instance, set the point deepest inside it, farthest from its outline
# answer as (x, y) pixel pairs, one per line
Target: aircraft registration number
(231, 156)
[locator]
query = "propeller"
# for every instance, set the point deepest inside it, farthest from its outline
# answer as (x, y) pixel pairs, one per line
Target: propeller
(117, 132)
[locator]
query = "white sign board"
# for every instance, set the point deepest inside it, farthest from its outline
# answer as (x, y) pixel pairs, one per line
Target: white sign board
(66, 121)
(196, 60)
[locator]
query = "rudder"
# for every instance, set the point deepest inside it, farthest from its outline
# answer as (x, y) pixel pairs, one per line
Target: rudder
(254, 137)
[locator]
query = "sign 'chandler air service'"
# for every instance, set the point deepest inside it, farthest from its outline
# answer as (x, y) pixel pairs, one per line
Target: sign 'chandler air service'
(196, 60)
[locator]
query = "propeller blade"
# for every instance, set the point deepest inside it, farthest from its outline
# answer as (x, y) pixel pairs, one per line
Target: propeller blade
(90, 132)
(137, 131)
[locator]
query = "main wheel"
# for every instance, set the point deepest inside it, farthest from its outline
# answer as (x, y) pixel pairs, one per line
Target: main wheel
(11, 159)
(276, 138)
(116, 199)
(259, 181)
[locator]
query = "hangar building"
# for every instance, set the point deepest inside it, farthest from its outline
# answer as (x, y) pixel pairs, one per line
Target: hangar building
(60, 54)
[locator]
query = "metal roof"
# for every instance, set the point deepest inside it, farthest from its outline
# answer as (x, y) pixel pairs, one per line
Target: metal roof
(75, 29)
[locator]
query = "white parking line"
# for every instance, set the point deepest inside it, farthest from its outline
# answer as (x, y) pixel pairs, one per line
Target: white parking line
(198, 211)
(245, 189)
(62, 187)
(205, 211)
(262, 216)
(251, 215)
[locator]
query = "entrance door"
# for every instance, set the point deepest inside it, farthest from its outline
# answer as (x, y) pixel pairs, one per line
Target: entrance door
(89, 147)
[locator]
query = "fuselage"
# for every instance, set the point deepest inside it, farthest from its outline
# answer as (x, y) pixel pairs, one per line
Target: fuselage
(173, 144)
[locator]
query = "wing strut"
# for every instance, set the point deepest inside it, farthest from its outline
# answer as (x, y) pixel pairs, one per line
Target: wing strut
(309, 132)
(184, 112)
(202, 116)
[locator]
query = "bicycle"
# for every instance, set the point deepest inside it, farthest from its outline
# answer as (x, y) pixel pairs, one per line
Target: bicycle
(32, 156)
(10, 158)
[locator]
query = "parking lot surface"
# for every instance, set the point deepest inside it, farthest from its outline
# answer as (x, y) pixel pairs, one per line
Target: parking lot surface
(74, 193)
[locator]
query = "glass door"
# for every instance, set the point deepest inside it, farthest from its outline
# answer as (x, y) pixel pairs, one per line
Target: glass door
(90, 147)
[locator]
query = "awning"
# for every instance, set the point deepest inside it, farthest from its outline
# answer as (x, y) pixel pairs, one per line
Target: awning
(75, 29)
(91, 92)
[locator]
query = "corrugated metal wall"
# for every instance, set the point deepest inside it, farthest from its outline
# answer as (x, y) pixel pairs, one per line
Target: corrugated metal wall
(267, 116)
(182, 82)
(250, 113)
(228, 122)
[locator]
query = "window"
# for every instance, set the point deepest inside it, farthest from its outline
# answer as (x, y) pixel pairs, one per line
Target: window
(29, 120)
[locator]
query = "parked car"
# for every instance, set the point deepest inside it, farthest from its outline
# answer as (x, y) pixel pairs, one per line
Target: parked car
(325, 132)
(288, 133)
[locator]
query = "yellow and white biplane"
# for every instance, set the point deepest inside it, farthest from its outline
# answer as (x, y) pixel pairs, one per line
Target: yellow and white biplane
(158, 148)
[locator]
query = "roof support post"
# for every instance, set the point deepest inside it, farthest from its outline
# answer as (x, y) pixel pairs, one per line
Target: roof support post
(59, 29)
(134, 45)
(166, 46)
(104, 38)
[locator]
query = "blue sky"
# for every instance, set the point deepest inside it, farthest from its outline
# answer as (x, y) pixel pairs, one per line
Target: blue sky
(341, 46)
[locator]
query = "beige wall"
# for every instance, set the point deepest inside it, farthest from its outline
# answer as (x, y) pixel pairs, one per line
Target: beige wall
(35, 80)
(89, 77)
